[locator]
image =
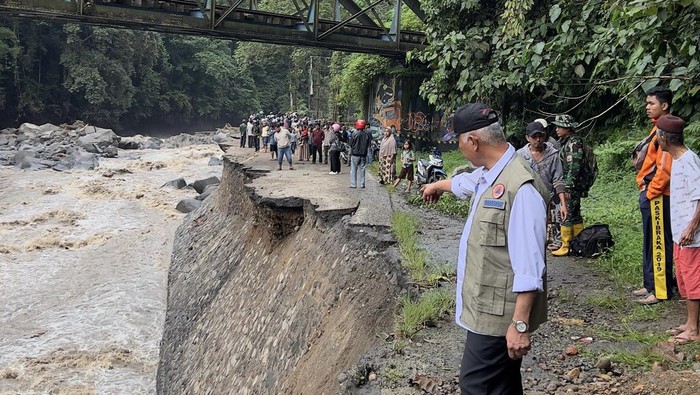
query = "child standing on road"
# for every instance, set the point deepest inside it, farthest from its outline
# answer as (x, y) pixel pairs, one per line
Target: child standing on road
(408, 157)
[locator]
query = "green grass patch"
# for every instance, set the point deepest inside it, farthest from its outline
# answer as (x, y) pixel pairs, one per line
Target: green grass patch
(642, 360)
(413, 257)
(608, 301)
(430, 307)
(639, 313)
(626, 310)
(393, 376)
(613, 200)
(627, 334)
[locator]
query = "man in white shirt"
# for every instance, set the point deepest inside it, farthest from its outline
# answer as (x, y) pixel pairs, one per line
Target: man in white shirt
(501, 272)
(284, 147)
(685, 218)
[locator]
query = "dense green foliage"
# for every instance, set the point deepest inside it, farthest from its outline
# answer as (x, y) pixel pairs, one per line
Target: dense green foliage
(589, 58)
(114, 77)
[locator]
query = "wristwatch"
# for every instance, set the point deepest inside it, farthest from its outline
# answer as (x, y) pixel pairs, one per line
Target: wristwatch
(520, 326)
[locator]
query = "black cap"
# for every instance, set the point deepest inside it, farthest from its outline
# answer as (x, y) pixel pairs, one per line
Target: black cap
(534, 128)
(471, 117)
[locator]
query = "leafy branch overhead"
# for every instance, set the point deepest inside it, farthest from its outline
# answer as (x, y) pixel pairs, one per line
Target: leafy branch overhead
(548, 56)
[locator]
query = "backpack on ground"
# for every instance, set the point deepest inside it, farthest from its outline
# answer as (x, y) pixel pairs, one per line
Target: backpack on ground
(592, 241)
(589, 169)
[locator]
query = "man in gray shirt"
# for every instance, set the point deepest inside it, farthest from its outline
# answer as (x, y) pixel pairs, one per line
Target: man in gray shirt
(545, 161)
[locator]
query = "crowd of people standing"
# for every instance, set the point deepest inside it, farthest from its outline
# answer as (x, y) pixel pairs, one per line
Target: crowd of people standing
(321, 142)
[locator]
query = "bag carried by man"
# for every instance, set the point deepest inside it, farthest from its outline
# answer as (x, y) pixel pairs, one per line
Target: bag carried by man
(589, 169)
(592, 241)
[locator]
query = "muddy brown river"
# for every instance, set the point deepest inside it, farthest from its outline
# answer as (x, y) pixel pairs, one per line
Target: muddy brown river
(83, 270)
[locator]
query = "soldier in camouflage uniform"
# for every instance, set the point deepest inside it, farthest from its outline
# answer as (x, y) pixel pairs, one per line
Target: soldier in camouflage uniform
(571, 153)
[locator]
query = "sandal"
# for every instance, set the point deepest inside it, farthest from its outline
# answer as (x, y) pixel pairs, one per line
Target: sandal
(683, 338)
(648, 300)
(675, 331)
(641, 292)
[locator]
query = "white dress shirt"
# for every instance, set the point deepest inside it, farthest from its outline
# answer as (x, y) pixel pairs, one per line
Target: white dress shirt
(527, 229)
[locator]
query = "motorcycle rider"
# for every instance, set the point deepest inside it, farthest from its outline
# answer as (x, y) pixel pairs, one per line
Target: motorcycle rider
(359, 144)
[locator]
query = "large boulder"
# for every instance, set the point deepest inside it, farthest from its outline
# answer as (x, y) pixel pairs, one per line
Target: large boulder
(25, 159)
(199, 185)
(187, 205)
(78, 160)
(220, 137)
(207, 191)
(128, 143)
(110, 152)
(30, 130)
(48, 127)
(96, 139)
(28, 160)
(177, 183)
(151, 143)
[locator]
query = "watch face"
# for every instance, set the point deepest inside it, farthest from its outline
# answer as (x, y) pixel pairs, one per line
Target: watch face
(521, 326)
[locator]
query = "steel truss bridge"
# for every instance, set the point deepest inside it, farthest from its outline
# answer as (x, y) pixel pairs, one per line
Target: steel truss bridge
(361, 30)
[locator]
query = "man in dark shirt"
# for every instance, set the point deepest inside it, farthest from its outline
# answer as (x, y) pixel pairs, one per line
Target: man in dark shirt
(359, 144)
(243, 129)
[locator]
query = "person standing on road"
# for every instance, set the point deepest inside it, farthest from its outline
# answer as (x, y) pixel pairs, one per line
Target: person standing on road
(317, 138)
(327, 134)
(249, 133)
(304, 144)
(571, 154)
(387, 158)
(334, 150)
(294, 139)
(243, 129)
(265, 134)
(654, 182)
(408, 157)
(359, 144)
(284, 149)
(545, 161)
(501, 270)
(685, 220)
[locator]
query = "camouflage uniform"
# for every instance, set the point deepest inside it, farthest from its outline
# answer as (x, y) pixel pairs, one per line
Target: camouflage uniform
(571, 153)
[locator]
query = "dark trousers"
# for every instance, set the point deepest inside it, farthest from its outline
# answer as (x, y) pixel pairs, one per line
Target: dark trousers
(487, 369)
(316, 150)
(243, 140)
(326, 149)
(573, 206)
(658, 246)
(335, 161)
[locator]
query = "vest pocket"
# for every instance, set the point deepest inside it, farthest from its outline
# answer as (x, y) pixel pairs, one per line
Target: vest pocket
(491, 228)
(491, 295)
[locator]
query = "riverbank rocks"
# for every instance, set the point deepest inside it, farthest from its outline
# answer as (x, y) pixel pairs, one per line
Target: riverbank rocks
(178, 183)
(97, 140)
(140, 142)
(79, 145)
(199, 185)
(187, 205)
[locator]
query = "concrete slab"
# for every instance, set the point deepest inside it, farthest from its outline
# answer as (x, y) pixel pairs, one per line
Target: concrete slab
(371, 205)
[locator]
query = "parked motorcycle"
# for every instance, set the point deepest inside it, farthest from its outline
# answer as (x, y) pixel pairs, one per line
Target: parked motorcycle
(345, 153)
(430, 170)
(374, 149)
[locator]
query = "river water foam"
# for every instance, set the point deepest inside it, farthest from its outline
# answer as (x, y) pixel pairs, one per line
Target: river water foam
(83, 271)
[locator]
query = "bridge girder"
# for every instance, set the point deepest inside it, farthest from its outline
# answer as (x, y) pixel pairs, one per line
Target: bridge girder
(227, 19)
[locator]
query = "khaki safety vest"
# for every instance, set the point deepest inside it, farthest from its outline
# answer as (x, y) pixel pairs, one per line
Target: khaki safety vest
(488, 302)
